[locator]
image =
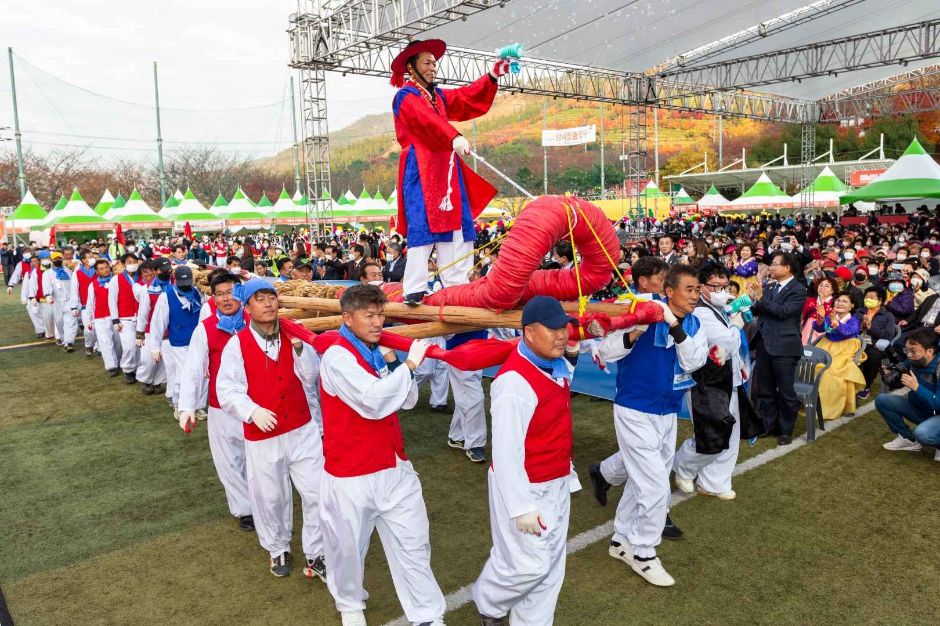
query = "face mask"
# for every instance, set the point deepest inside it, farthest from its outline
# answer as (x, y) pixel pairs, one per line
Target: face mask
(916, 283)
(46, 265)
(871, 303)
(131, 268)
(164, 276)
(189, 288)
(872, 270)
(57, 262)
(720, 298)
(89, 262)
(902, 257)
(377, 283)
(933, 242)
(925, 254)
(849, 256)
(27, 256)
(919, 362)
(831, 242)
(895, 287)
(132, 248)
(902, 239)
(860, 278)
(235, 269)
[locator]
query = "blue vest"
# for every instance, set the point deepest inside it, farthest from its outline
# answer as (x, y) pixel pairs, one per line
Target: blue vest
(181, 323)
(645, 378)
(461, 338)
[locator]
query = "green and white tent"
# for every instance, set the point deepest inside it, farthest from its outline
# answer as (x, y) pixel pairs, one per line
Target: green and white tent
(287, 211)
(136, 214)
(179, 195)
(347, 198)
(60, 204)
(915, 175)
(241, 213)
(763, 194)
(76, 215)
(682, 198)
(264, 205)
(106, 202)
(712, 199)
(827, 189)
(368, 205)
(169, 208)
(393, 198)
(190, 209)
(27, 214)
(219, 207)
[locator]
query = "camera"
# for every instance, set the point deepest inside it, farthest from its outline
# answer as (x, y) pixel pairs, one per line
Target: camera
(893, 365)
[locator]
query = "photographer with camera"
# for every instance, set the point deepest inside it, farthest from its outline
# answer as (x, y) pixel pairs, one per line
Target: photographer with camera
(919, 373)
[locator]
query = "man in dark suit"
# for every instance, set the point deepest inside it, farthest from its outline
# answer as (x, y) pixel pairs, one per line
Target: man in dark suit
(779, 346)
(394, 270)
(354, 265)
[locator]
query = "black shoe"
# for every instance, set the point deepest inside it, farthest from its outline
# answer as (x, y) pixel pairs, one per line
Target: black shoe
(246, 523)
(40, 335)
(458, 444)
(114, 372)
(146, 389)
(773, 432)
(442, 408)
(315, 568)
(89, 352)
(784, 440)
(414, 299)
(671, 531)
(476, 455)
(130, 378)
(280, 565)
(601, 486)
(69, 348)
(492, 621)
(59, 343)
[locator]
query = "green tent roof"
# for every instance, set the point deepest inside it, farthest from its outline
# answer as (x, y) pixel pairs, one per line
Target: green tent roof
(171, 203)
(119, 202)
(134, 210)
(76, 211)
(29, 209)
(264, 202)
(914, 175)
(107, 200)
(60, 204)
(220, 201)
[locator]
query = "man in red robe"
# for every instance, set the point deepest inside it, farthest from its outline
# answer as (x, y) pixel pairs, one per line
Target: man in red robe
(438, 195)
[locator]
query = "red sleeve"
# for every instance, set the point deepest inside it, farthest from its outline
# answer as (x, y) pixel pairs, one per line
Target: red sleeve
(809, 307)
(431, 131)
(473, 100)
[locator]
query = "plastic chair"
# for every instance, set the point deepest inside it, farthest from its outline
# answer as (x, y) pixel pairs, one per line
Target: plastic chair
(808, 376)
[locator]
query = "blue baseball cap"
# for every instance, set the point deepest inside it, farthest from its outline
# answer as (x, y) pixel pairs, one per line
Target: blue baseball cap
(253, 286)
(547, 311)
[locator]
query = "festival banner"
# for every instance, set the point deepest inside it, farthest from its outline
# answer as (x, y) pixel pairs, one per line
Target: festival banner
(859, 178)
(569, 136)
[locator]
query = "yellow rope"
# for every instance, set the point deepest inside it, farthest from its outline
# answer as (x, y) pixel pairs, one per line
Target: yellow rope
(629, 295)
(582, 300)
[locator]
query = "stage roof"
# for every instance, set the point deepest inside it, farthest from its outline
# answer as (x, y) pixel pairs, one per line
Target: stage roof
(637, 36)
(784, 176)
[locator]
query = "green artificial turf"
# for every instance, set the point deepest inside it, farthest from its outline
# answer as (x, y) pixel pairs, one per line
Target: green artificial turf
(111, 515)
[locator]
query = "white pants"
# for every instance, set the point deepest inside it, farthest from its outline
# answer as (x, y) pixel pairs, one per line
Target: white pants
(108, 342)
(713, 471)
(66, 324)
(40, 314)
(130, 353)
(148, 372)
(391, 502)
(452, 272)
(647, 444)
(524, 572)
(469, 421)
(436, 372)
(173, 359)
(613, 470)
(227, 445)
(88, 323)
(273, 464)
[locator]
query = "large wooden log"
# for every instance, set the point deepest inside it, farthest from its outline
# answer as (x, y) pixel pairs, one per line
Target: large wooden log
(468, 316)
(429, 329)
(320, 324)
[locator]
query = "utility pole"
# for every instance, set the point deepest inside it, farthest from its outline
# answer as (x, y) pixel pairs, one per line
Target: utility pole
(156, 94)
(545, 150)
(293, 120)
(21, 175)
(603, 188)
(656, 143)
(721, 155)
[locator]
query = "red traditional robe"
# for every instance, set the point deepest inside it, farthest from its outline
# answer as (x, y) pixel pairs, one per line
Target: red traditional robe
(425, 136)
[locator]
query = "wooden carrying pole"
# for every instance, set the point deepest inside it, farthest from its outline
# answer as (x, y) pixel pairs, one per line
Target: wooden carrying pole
(469, 317)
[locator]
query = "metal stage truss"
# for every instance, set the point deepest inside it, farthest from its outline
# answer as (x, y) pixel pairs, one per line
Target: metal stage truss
(363, 36)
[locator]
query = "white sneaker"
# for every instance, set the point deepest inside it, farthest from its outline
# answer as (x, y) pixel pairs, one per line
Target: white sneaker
(653, 571)
(620, 549)
(727, 495)
(438, 622)
(353, 618)
(899, 443)
(685, 485)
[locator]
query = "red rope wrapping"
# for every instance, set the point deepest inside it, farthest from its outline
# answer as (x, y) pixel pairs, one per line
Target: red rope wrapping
(516, 277)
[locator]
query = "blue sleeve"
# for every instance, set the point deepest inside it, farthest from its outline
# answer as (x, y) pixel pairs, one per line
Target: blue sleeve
(929, 395)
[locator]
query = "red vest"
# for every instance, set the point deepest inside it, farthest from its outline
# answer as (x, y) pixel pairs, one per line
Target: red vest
(273, 386)
(40, 294)
(216, 340)
(153, 305)
(548, 439)
(83, 282)
(126, 300)
(352, 444)
(101, 300)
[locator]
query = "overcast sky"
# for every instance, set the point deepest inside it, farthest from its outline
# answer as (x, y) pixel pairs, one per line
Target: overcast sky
(212, 54)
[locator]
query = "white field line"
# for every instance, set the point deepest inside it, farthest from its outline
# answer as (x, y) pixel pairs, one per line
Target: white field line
(461, 597)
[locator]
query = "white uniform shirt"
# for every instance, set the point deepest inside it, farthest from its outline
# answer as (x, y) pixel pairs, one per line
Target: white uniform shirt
(58, 290)
(231, 386)
(113, 287)
(728, 338)
(371, 397)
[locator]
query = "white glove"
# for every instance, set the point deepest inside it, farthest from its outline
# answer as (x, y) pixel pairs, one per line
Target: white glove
(737, 320)
(155, 354)
(530, 523)
(264, 419)
(596, 329)
(417, 351)
(461, 145)
(500, 68)
(9, 290)
(187, 420)
(50, 300)
(388, 354)
(668, 316)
